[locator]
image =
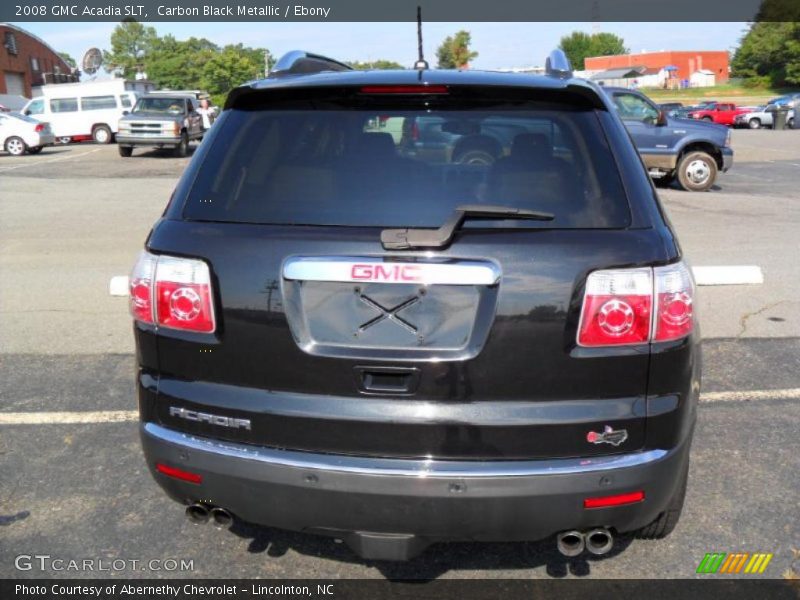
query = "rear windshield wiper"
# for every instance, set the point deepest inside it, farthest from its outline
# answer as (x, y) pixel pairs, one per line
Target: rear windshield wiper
(404, 239)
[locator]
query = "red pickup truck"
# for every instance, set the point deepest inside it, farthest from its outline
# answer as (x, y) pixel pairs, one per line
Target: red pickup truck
(718, 112)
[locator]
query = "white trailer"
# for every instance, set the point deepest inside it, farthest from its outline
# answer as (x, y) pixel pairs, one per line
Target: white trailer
(85, 110)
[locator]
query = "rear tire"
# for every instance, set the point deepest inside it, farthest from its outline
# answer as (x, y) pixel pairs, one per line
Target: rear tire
(125, 151)
(15, 146)
(35, 149)
(475, 157)
(708, 119)
(182, 149)
(101, 134)
(790, 123)
(697, 171)
(754, 123)
(666, 521)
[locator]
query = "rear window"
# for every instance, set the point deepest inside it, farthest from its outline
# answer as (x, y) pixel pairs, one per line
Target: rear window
(409, 168)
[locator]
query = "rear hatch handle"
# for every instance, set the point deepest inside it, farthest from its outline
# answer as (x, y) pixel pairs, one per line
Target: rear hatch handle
(404, 239)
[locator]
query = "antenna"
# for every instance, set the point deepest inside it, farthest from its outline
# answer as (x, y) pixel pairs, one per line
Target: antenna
(421, 63)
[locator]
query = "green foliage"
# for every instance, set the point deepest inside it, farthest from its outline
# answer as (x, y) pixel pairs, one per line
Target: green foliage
(454, 52)
(230, 67)
(578, 45)
(130, 43)
(375, 65)
(196, 63)
(68, 59)
(178, 64)
(769, 53)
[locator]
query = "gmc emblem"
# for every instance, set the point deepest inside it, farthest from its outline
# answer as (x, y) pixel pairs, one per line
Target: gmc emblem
(384, 272)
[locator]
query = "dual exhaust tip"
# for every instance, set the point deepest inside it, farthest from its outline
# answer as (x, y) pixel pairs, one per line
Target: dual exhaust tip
(597, 541)
(203, 513)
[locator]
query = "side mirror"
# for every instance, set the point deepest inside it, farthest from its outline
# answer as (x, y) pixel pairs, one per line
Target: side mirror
(27, 113)
(126, 112)
(662, 119)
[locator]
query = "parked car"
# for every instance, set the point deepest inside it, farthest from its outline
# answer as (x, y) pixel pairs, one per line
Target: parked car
(338, 339)
(763, 117)
(668, 106)
(161, 121)
(20, 134)
(83, 111)
(755, 119)
(788, 102)
(722, 113)
(693, 152)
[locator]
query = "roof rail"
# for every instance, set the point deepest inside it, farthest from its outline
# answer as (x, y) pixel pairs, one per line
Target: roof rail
(300, 62)
(558, 65)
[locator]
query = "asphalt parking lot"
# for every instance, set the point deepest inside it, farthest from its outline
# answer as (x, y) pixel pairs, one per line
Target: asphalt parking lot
(73, 217)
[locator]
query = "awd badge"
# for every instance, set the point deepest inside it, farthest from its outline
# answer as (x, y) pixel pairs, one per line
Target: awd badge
(608, 436)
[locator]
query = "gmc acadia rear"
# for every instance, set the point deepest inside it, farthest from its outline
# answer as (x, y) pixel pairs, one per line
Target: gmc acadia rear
(338, 338)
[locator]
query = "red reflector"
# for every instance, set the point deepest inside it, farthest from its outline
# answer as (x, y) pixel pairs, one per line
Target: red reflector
(631, 498)
(404, 89)
(179, 473)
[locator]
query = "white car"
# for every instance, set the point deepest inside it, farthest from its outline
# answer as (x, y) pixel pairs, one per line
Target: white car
(20, 134)
(760, 118)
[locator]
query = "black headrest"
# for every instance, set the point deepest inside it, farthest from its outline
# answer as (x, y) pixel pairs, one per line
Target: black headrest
(376, 145)
(531, 146)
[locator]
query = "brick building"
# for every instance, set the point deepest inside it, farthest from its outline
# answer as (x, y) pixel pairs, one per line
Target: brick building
(687, 62)
(26, 60)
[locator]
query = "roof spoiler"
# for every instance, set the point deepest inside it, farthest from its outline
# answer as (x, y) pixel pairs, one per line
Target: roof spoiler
(300, 62)
(558, 65)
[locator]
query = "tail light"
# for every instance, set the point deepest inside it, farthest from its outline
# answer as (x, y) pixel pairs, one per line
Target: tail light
(405, 89)
(172, 292)
(617, 308)
(637, 306)
(415, 132)
(39, 128)
(674, 303)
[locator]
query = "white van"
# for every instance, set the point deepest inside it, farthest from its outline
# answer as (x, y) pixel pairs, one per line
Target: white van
(83, 111)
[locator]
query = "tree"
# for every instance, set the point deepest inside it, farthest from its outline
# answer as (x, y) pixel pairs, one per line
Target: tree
(68, 59)
(578, 45)
(454, 52)
(769, 54)
(229, 68)
(177, 64)
(130, 43)
(375, 64)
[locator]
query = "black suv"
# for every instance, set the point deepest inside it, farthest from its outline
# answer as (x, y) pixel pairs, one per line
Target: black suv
(340, 339)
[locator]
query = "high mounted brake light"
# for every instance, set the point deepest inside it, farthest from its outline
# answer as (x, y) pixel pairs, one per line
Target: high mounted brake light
(172, 292)
(637, 306)
(405, 89)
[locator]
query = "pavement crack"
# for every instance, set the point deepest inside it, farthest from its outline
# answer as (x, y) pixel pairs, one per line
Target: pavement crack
(746, 316)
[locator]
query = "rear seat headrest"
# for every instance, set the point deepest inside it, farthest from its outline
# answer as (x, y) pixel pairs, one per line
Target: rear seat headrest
(530, 145)
(376, 145)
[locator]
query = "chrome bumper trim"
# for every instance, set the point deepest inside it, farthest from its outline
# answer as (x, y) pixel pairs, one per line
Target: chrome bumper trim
(403, 467)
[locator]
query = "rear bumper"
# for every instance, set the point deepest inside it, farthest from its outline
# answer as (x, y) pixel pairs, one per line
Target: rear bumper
(394, 508)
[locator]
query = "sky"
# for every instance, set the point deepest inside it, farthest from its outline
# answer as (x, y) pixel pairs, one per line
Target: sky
(500, 45)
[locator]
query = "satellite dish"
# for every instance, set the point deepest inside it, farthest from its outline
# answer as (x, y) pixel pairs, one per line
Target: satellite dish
(92, 61)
